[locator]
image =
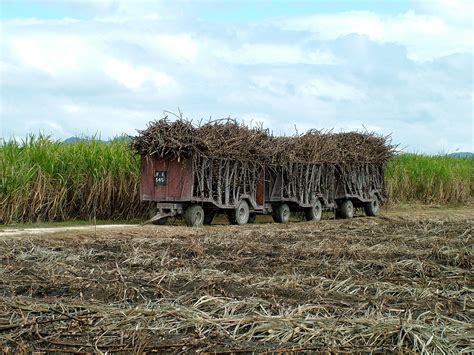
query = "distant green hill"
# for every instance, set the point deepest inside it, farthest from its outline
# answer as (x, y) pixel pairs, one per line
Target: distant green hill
(73, 139)
(461, 155)
(122, 138)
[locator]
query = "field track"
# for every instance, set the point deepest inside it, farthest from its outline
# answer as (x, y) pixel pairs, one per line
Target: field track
(401, 282)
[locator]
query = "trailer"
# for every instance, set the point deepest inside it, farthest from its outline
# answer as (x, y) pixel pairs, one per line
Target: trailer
(196, 188)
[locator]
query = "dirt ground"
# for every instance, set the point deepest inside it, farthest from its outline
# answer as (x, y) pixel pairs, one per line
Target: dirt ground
(400, 282)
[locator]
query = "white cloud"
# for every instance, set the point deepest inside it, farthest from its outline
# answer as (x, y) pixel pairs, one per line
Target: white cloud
(425, 36)
(456, 11)
(270, 84)
(114, 73)
(328, 88)
(134, 77)
(71, 108)
(265, 53)
(45, 126)
(53, 54)
(179, 46)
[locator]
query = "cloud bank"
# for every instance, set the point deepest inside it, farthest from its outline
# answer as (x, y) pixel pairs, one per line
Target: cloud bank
(110, 72)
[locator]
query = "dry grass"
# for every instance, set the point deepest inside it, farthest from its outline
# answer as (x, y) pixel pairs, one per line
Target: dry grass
(390, 284)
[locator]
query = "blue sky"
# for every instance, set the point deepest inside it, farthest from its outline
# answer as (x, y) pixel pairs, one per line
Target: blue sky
(110, 66)
(236, 11)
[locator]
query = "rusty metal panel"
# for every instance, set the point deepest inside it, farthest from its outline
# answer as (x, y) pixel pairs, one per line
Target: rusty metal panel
(146, 179)
(166, 179)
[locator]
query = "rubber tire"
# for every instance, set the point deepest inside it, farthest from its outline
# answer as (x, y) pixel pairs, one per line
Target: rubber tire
(194, 216)
(241, 214)
(282, 214)
(372, 208)
(209, 216)
(346, 209)
(252, 218)
(314, 213)
(160, 222)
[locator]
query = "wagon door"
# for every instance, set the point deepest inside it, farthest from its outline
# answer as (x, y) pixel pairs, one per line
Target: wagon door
(166, 179)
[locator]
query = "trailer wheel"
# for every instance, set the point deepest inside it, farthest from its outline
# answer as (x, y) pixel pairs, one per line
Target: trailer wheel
(209, 216)
(345, 209)
(314, 212)
(252, 218)
(282, 214)
(194, 216)
(241, 214)
(372, 208)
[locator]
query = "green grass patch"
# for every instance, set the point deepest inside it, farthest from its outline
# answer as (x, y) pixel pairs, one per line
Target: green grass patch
(430, 179)
(42, 179)
(46, 180)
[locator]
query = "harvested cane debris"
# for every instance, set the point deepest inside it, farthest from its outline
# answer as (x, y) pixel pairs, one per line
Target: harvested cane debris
(401, 285)
(228, 139)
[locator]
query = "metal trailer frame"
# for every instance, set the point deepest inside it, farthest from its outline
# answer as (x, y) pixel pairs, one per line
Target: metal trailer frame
(212, 183)
(362, 183)
(220, 184)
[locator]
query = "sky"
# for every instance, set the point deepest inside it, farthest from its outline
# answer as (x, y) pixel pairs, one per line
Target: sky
(109, 67)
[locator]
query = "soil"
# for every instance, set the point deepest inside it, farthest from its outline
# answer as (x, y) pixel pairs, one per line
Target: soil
(390, 283)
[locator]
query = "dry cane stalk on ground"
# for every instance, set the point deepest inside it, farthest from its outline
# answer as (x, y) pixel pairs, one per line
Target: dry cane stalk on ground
(389, 284)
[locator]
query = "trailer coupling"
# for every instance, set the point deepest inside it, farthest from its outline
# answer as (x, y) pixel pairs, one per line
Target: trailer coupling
(165, 210)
